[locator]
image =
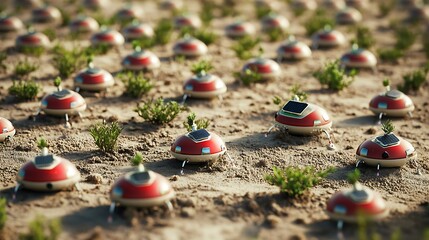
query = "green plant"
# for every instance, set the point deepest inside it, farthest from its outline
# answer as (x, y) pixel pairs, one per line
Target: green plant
(136, 85)
(202, 66)
(24, 90)
(206, 14)
(101, 18)
(248, 77)
(353, 177)
(295, 181)
(413, 81)
(405, 37)
(364, 37)
(50, 33)
(106, 135)
(228, 8)
(199, 123)
(317, 22)
(3, 57)
(297, 92)
(206, 36)
(65, 15)
(24, 68)
(42, 143)
(275, 34)
(387, 127)
(385, 7)
(43, 229)
(334, 76)
(35, 51)
(98, 49)
(391, 55)
(277, 100)
(137, 159)
(68, 62)
(57, 82)
(243, 48)
(163, 32)
(425, 43)
(386, 82)
(3, 213)
(261, 12)
(159, 112)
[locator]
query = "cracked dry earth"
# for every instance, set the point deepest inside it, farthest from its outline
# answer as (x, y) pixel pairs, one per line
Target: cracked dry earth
(227, 200)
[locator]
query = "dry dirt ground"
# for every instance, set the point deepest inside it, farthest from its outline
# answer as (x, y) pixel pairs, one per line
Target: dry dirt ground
(226, 200)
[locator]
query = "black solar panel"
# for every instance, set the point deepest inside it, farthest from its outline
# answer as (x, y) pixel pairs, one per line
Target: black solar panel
(387, 140)
(199, 135)
(393, 94)
(295, 107)
(62, 93)
(140, 177)
(44, 160)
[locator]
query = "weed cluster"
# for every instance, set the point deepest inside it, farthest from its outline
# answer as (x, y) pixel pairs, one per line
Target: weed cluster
(3, 57)
(202, 66)
(294, 181)
(137, 159)
(24, 68)
(248, 77)
(387, 127)
(159, 112)
(413, 81)
(243, 48)
(35, 51)
(391, 55)
(42, 143)
(334, 76)
(50, 33)
(136, 85)
(317, 22)
(25, 90)
(106, 135)
(296, 91)
(199, 123)
(206, 36)
(43, 229)
(405, 38)
(364, 38)
(68, 61)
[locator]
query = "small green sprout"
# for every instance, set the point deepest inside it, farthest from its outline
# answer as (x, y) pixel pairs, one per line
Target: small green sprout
(159, 112)
(275, 34)
(277, 100)
(295, 181)
(57, 83)
(334, 76)
(202, 67)
(50, 33)
(3, 213)
(261, 12)
(391, 55)
(405, 38)
(364, 38)
(36, 51)
(25, 90)
(387, 127)
(136, 85)
(137, 159)
(199, 123)
(3, 57)
(386, 82)
(206, 14)
(106, 135)
(353, 177)
(163, 32)
(42, 143)
(206, 36)
(297, 92)
(98, 49)
(317, 22)
(24, 68)
(68, 62)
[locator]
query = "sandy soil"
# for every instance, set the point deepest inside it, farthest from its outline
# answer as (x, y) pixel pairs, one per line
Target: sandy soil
(223, 201)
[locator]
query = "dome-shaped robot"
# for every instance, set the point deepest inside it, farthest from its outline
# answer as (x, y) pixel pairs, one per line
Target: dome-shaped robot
(137, 30)
(266, 68)
(7, 131)
(327, 38)
(107, 37)
(190, 47)
(240, 29)
(46, 14)
(141, 60)
(187, 21)
(93, 79)
(273, 22)
(358, 58)
(83, 24)
(293, 49)
(32, 40)
(348, 16)
(10, 24)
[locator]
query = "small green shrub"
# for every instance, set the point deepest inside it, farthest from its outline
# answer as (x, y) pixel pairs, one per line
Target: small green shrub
(159, 112)
(106, 135)
(65, 15)
(199, 123)
(35, 51)
(103, 20)
(353, 177)
(25, 90)
(42, 143)
(3, 213)
(391, 55)
(317, 22)
(385, 7)
(98, 49)
(261, 12)
(136, 85)
(249, 77)
(137, 159)
(206, 36)
(50, 33)
(24, 68)
(334, 76)
(206, 14)
(413, 81)
(243, 48)
(3, 57)
(294, 181)
(202, 66)
(68, 62)
(43, 229)
(57, 82)
(364, 37)
(163, 32)
(277, 100)
(405, 38)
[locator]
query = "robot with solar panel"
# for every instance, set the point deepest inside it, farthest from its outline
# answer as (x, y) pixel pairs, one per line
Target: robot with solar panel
(387, 150)
(141, 188)
(63, 102)
(47, 172)
(302, 118)
(198, 145)
(203, 84)
(391, 103)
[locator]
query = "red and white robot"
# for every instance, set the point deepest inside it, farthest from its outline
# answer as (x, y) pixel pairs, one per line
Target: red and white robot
(83, 24)
(141, 60)
(93, 79)
(10, 24)
(240, 29)
(46, 14)
(190, 47)
(293, 50)
(107, 37)
(267, 68)
(327, 38)
(7, 131)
